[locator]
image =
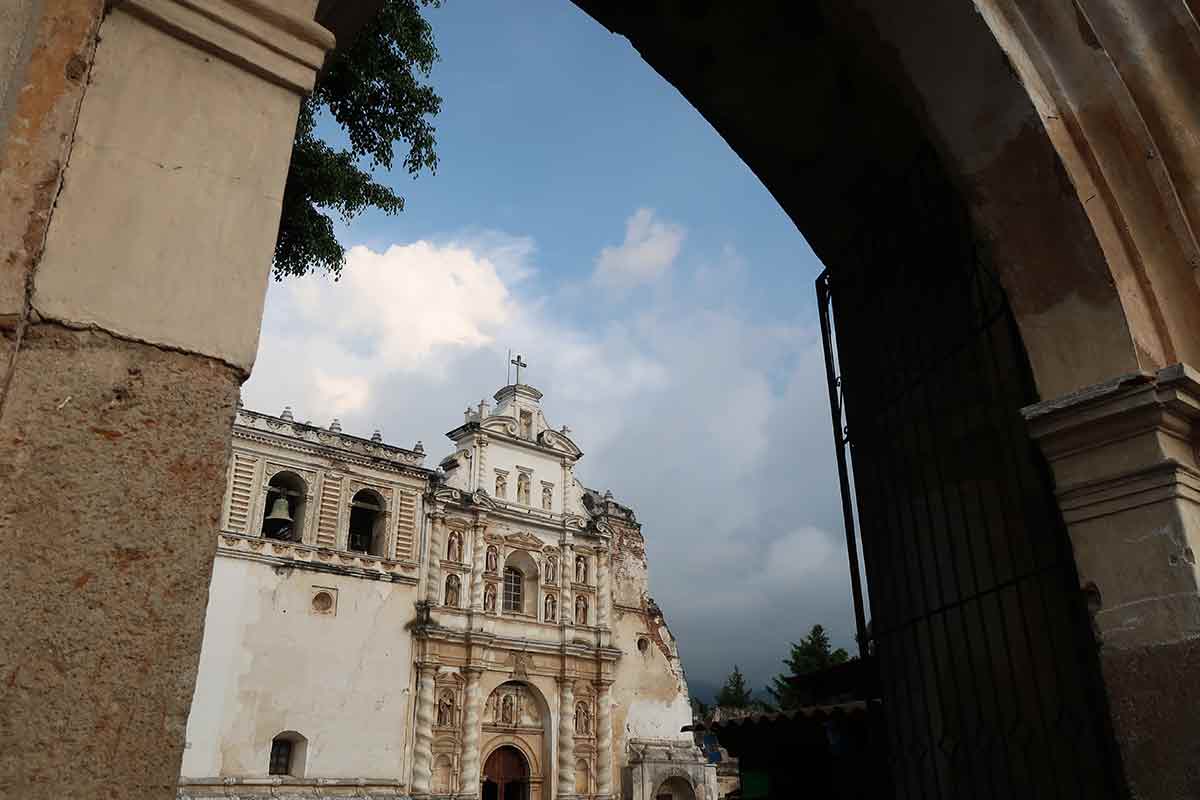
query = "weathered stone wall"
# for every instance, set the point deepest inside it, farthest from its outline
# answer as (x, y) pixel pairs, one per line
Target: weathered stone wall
(106, 576)
(116, 425)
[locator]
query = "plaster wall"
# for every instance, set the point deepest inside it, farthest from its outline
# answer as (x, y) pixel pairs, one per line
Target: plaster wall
(153, 151)
(270, 663)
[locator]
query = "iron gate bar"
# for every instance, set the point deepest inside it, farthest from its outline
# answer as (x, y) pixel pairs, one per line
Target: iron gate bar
(987, 664)
(835, 410)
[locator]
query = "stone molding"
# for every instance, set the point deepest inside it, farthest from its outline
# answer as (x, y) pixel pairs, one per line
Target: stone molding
(317, 559)
(255, 35)
(1122, 444)
(287, 788)
(264, 428)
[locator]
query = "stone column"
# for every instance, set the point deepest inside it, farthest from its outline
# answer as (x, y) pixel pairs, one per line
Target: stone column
(566, 576)
(603, 590)
(604, 756)
(471, 734)
(1127, 478)
(433, 571)
(144, 148)
(422, 771)
(566, 738)
(478, 550)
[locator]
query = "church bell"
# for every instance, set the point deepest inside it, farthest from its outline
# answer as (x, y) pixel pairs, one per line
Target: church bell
(279, 510)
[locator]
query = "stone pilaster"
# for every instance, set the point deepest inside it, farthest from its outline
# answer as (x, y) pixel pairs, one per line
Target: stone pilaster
(471, 733)
(603, 590)
(604, 756)
(566, 738)
(566, 576)
(423, 738)
(478, 549)
(1127, 479)
(433, 572)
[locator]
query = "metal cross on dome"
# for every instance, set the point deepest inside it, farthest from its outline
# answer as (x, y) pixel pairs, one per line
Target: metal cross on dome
(518, 362)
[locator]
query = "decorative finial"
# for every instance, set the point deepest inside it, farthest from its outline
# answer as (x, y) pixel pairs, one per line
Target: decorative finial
(608, 495)
(240, 403)
(483, 408)
(287, 414)
(335, 426)
(565, 430)
(377, 436)
(418, 447)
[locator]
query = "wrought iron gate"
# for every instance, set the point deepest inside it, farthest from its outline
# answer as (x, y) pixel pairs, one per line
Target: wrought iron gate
(989, 672)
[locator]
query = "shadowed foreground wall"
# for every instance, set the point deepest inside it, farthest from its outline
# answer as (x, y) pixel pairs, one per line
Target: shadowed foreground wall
(143, 150)
(113, 461)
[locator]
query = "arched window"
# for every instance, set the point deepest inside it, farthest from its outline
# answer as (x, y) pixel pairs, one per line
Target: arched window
(453, 589)
(523, 488)
(283, 513)
(514, 590)
(366, 523)
(288, 752)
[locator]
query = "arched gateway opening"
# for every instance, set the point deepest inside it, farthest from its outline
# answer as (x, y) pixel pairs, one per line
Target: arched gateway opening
(506, 775)
(675, 788)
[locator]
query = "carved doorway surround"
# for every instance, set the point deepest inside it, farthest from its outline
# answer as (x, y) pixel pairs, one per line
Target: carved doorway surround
(506, 775)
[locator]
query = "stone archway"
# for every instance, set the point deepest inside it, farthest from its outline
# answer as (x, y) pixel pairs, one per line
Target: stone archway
(675, 788)
(516, 716)
(1063, 131)
(506, 775)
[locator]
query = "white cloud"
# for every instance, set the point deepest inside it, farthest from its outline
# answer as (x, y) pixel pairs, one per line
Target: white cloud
(650, 248)
(710, 422)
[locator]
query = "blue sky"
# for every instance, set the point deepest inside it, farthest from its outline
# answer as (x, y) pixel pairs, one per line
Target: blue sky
(585, 215)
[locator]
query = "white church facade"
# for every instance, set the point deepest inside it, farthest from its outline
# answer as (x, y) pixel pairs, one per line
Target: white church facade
(378, 628)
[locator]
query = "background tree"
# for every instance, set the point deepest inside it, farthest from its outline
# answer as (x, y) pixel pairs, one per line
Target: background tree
(734, 693)
(373, 89)
(812, 654)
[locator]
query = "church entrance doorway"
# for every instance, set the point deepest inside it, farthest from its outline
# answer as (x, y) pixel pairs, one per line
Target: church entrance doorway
(506, 775)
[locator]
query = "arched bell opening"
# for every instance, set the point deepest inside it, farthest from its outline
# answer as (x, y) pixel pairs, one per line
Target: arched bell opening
(283, 513)
(506, 775)
(367, 534)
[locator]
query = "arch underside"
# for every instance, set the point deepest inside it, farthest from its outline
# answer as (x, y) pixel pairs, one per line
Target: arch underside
(1077, 169)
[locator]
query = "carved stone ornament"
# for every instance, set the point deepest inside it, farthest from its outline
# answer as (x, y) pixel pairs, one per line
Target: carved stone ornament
(525, 540)
(521, 663)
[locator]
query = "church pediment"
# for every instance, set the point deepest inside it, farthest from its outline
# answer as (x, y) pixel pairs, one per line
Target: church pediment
(525, 540)
(557, 440)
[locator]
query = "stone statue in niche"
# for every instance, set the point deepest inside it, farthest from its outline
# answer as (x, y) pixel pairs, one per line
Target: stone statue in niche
(501, 486)
(523, 489)
(489, 599)
(454, 548)
(551, 608)
(492, 558)
(583, 719)
(551, 570)
(507, 713)
(580, 569)
(547, 497)
(581, 610)
(452, 588)
(445, 710)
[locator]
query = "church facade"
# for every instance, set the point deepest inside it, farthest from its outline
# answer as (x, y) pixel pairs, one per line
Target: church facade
(377, 627)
